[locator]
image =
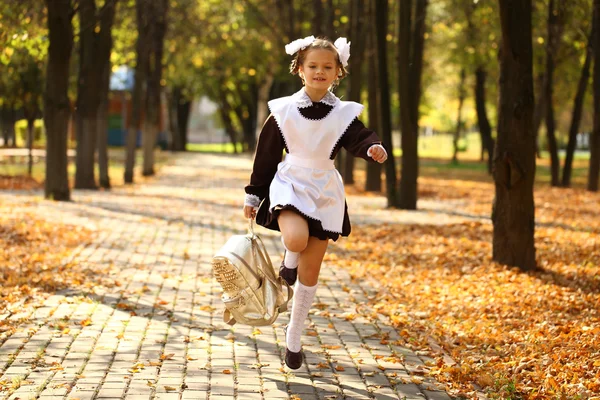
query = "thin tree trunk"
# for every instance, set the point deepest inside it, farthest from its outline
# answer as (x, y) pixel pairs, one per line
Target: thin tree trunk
(381, 11)
(555, 24)
(56, 100)
(184, 107)
(317, 19)
(485, 130)
(577, 111)
(411, 39)
(373, 183)
(329, 28)
(105, 44)
(594, 172)
(357, 13)
(262, 111)
(513, 212)
(539, 112)
(137, 97)
(30, 130)
(158, 15)
(461, 100)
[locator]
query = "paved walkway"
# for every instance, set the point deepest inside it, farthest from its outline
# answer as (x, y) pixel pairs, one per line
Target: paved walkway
(159, 334)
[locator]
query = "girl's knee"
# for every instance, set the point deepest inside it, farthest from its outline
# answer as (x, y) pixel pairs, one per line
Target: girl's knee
(295, 243)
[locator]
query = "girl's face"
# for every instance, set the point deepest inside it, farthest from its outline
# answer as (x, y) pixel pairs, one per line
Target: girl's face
(319, 69)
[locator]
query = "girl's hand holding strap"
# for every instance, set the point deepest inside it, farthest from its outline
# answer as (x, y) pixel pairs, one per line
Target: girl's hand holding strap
(251, 204)
(377, 153)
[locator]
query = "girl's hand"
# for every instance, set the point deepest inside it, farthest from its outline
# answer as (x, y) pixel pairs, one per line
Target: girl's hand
(250, 212)
(377, 153)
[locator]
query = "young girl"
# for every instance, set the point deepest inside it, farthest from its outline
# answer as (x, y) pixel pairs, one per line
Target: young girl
(303, 196)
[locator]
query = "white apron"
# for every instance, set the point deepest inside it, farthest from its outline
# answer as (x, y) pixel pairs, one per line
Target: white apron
(307, 179)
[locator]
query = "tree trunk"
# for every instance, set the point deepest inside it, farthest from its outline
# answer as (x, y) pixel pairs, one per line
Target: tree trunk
(105, 44)
(373, 183)
(88, 98)
(357, 24)
(141, 71)
(461, 100)
(513, 212)
(594, 173)
(577, 111)
(317, 19)
(262, 110)
(103, 144)
(381, 11)
(8, 125)
(158, 28)
(485, 130)
(56, 100)
(539, 112)
(555, 24)
(184, 107)
(411, 39)
(329, 28)
(224, 111)
(30, 129)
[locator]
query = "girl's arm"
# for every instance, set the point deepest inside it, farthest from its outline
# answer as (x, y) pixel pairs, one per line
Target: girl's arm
(358, 140)
(269, 152)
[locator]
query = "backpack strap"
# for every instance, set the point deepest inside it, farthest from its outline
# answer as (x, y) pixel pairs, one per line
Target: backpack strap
(228, 318)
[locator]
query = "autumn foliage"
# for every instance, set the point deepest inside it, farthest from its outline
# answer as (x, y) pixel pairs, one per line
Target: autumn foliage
(511, 334)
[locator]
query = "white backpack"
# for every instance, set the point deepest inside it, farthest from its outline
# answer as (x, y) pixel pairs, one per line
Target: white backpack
(253, 294)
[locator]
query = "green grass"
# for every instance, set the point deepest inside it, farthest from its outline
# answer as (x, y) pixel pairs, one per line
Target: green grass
(226, 148)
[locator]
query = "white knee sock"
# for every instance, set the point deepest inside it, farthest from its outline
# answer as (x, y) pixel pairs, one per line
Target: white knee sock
(291, 258)
(303, 299)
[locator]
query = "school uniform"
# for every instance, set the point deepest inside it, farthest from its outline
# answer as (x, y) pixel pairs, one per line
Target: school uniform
(306, 181)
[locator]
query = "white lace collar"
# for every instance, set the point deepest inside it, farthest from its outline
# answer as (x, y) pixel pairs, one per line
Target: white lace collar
(304, 101)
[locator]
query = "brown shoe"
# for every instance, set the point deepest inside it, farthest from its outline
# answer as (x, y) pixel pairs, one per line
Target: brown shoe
(292, 360)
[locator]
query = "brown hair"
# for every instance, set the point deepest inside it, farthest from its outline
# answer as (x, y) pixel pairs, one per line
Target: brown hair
(319, 43)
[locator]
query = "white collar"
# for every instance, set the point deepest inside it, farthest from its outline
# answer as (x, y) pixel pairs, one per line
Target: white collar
(303, 100)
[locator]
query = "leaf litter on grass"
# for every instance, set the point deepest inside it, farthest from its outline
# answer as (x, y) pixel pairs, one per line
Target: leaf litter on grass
(512, 334)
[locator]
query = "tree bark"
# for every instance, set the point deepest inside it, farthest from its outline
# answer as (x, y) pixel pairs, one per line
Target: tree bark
(461, 100)
(56, 100)
(105, 44)
(317, 19)
(555, 28)
(8, 125)
(88, 98)
(373, 183)
(513, 212)
(180, 115)
(594, 172)
(158, 28)
(30, 132)
(577, 111)
(411, 37)
(357, 15)
(485, 130)
(381, 11)
(137, 97)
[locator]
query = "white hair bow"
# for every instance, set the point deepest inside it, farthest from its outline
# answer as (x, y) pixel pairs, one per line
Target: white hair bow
(343, 47)
(299, 44)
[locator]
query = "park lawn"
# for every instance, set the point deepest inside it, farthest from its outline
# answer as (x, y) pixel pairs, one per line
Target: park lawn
(13, 174)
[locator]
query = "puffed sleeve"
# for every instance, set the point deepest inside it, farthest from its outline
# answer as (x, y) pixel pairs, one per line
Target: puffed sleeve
(269, 152)
(357, 140)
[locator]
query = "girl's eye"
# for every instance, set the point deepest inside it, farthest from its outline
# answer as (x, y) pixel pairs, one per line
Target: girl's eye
(312, 67)
(327, 67)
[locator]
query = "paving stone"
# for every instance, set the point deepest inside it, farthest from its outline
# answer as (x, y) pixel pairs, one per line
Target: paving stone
(159, 238)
